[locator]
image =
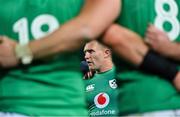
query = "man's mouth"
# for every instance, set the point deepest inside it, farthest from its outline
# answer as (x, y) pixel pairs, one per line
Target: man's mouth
(89, 62)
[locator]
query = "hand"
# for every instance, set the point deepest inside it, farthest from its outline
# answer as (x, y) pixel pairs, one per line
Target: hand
(7, 53)
(89, 75)
(159, 41)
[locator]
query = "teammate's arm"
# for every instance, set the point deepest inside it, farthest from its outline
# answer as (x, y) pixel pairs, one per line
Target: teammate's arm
(95, 17)
(131, 47)
(126, 44)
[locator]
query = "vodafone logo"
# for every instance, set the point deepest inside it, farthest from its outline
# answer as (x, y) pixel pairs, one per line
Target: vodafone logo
(101, 100)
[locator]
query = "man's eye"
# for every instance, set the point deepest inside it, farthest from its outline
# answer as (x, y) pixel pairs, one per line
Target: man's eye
(91, 51)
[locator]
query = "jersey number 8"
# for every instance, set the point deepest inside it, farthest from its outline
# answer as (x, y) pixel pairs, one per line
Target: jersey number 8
(167, 12)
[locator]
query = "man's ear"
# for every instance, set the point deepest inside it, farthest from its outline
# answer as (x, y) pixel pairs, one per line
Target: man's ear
(107, 53)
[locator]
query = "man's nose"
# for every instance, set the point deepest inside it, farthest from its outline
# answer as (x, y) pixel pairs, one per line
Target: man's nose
(87, 55)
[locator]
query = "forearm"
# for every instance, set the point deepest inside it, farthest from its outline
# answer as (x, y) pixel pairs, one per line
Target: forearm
(129, 46)
(95, 17)
(69, 37)
(173, 51)
(126, 44)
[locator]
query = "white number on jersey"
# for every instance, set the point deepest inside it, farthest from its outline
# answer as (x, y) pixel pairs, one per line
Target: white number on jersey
(21, 27)
(170, 16)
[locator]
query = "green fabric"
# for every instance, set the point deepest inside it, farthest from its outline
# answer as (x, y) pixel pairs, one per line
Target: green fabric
(52, 87)
(98, 89)
(141, 92)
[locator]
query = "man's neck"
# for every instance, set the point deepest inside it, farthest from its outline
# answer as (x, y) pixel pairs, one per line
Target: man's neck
(105, 67)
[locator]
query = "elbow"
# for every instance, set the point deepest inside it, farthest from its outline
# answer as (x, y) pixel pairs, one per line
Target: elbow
(111, 35)
(88, 32)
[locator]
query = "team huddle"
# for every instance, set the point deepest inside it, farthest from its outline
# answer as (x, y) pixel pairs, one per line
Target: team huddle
(130, 67)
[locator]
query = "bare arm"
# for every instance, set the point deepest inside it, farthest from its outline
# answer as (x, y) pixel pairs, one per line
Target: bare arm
(126, 44)
(130, 46)
(94, 18)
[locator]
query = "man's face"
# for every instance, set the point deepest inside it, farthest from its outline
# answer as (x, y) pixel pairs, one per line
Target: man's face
(94, 55)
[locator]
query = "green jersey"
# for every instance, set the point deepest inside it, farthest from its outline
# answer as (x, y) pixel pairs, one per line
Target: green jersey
(141, 92)
(101, 93)
(45, 87)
